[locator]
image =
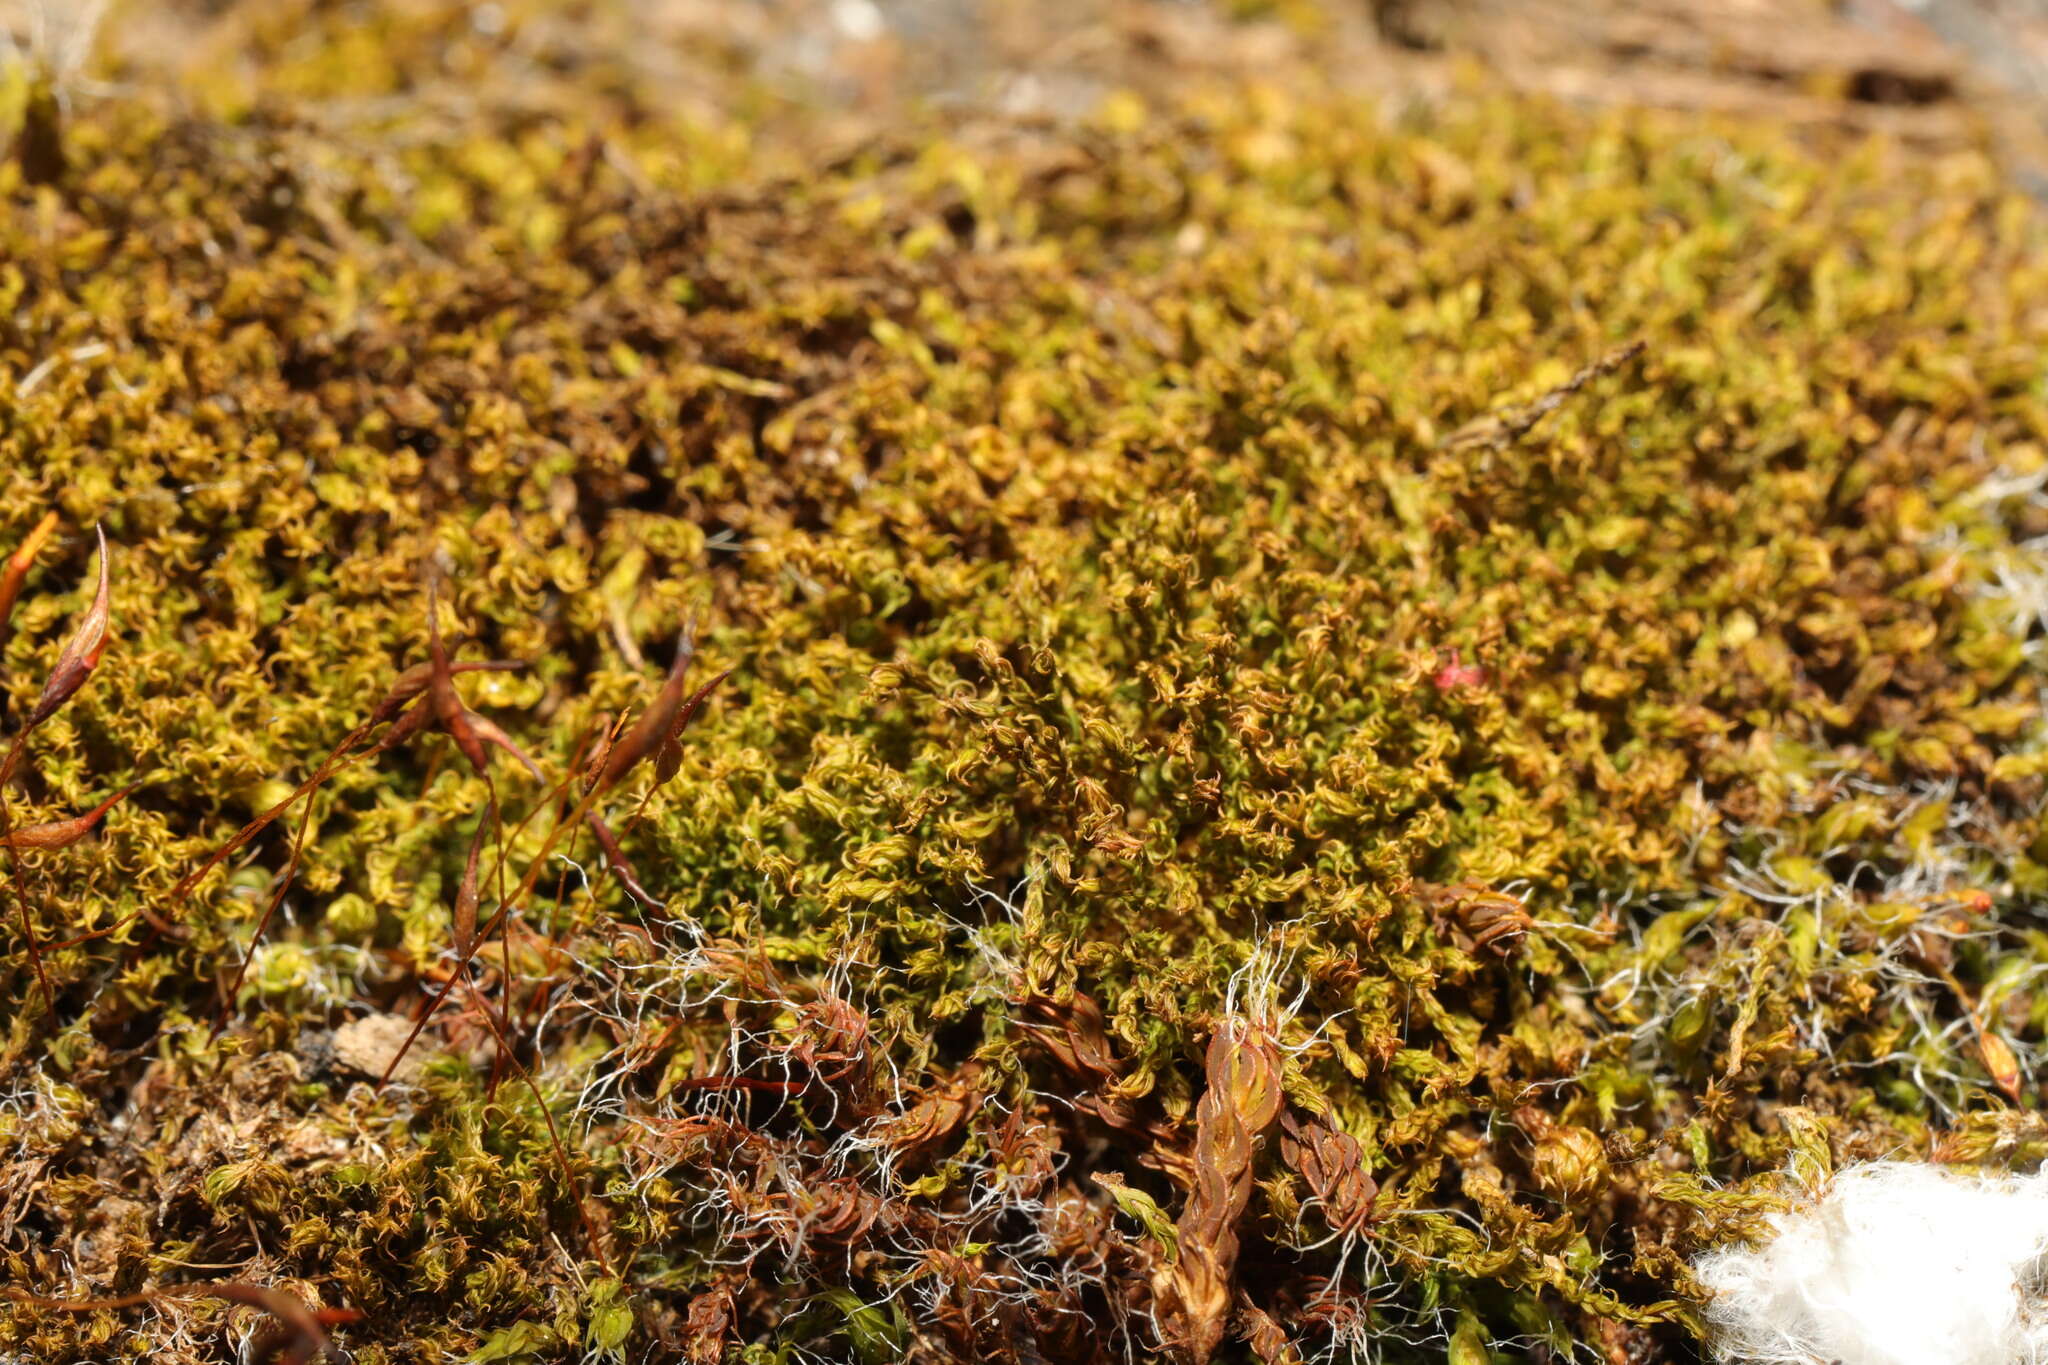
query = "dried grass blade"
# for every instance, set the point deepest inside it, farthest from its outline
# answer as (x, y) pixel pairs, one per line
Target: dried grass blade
(81, 653)
(408, 685)
(669, 757)
(615, 859)
(441, 694)
(284, 883)
(655, 723)
(18, 565)
(463, 930)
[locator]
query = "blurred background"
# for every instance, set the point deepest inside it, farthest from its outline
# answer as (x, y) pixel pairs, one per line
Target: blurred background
(1938, 72)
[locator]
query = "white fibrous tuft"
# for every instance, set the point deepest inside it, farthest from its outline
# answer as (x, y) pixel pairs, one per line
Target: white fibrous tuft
(1893, 1263)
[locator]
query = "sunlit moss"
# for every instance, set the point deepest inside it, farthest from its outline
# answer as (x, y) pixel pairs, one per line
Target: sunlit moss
(1150, 564)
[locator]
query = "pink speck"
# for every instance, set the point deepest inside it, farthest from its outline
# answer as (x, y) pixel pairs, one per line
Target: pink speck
(1457, 673)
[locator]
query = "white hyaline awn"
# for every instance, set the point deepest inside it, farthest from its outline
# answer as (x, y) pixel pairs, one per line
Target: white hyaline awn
(1892, 1263)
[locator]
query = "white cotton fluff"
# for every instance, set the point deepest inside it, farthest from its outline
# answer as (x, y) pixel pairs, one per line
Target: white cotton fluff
(1895, 1263)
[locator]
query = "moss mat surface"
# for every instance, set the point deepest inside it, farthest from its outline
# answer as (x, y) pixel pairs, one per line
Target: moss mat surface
(1344, 728)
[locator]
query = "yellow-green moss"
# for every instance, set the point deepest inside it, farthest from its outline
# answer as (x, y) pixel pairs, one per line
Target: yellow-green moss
(1150, 594)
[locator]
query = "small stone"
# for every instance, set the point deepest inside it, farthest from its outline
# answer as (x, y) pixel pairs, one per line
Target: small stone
(368, 1044)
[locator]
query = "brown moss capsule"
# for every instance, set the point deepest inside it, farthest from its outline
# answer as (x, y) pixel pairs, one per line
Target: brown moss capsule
(62, 833)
